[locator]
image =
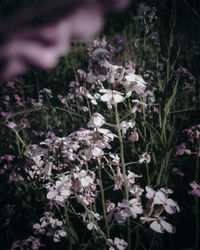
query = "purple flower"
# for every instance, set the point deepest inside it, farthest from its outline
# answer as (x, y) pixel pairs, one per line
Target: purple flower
(180, 148)
(134, 136)
(145, 158)
(12, 125)
(196, 189)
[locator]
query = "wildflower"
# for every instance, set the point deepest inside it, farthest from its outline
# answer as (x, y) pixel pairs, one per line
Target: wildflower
(93, 98)
(112, 71)
(158, 224)
(180, 148)
(134, 136)
(136, 190)
(118, 179)
(112, 97)
(97, 120)
(11, 84)
(114, 211)
(131, 177)
(169, 205)
(134, 83)
(124, 126)
(12, 125)
(109, 206)
(145, 157)
(155, 109)
(150, 193)
(4, 114)
(178, 172)
(132, 207)
(117, 244)
(92, 216)
(58, 234)
(196, 189)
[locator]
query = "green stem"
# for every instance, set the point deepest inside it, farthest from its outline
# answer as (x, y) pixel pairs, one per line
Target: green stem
(124, 172)
(103, 204)
(148, 177)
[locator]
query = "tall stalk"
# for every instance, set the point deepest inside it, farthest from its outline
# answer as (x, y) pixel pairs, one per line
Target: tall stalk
(123, 165)
(103, 204)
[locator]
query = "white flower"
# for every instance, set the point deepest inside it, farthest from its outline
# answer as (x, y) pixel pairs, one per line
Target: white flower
(124, 126)
(134, 83)
(169, 205)
(97, 120)
(158, 224)
(111, 97)
(117, 244)
(93, 98)
(112, 71)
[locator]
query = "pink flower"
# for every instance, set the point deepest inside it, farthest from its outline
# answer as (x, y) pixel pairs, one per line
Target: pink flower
(12, 125)
(4, 114)
(155, 109)
(145, 157)
(196, 189)
(180, 148)
(178, 172)
(11, 84)
(134, 136)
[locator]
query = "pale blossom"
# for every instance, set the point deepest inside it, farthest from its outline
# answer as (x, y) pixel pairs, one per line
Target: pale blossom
(145, 158)
(131, 177)
(97, 120)
(112, 97)
(117, 244)
(132, 207)
(150, 193)
(134, 136)
(136, 190)
(112, 71)
(94, 98)
(196, 189)
(12, 125)
(169, 205)
(134, 83)
(158, 224)
(124, 126)
(180, 149)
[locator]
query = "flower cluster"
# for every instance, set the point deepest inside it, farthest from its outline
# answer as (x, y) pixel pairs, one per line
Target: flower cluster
(50, 226)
